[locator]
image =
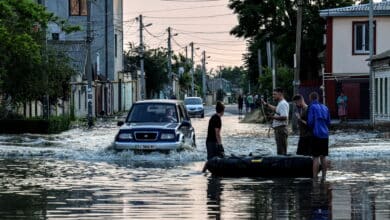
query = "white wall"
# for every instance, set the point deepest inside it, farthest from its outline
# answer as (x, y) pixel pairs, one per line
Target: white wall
(343, 60)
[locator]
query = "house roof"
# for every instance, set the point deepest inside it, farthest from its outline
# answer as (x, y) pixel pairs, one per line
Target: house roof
(381, 56)
(380, 9)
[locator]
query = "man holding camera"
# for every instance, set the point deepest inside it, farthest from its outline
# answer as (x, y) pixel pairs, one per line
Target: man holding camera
(279, 120)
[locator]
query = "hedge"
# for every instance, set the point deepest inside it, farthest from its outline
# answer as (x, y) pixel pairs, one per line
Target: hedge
(54, 124)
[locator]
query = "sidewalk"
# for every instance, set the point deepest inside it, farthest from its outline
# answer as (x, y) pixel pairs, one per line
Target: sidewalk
(358, 124)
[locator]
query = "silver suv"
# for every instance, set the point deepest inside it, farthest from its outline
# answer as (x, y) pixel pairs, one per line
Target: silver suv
(194, 106)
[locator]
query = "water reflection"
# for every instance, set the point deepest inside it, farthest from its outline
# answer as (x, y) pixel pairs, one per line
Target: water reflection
(214, 192)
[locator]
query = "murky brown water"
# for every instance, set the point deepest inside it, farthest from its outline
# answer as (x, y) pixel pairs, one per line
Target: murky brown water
(75, 175)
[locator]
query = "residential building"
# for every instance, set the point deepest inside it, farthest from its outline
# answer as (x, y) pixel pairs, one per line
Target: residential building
(347, 50)
(218, 84)
(112, 88)
(381, 70)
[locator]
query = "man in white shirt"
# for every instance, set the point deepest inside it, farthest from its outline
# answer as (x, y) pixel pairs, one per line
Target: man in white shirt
(280, 120)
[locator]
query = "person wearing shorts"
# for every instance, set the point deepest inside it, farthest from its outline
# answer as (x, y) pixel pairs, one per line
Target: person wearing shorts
(318, 119)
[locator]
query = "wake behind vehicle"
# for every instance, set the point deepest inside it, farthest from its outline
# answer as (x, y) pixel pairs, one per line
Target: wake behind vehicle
(194, 106)
(156, 125)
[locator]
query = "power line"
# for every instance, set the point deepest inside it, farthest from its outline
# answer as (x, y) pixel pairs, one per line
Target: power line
(155, 36)
(192, 17)
(174, 41)
(193, 24)
(227, 52)
(211, 40)
(216, 43)
(220, 49)
(202, 32)
(177, 9)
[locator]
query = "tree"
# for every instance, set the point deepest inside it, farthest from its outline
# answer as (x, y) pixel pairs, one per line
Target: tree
(156, 73)
(274, 20)
(236, 75)
(185, 78)
(283, 79)
(28, 69)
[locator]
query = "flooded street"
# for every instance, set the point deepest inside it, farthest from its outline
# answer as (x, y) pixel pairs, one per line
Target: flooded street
(77, 175)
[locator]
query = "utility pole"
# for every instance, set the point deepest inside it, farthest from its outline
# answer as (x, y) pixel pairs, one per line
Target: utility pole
(259, 62)
(297, 61)
(141, 48)
(170, 63)
(88, 65)
(273, 67)
(371, 72)
(192, 69)
(204, 75)
(298, 41)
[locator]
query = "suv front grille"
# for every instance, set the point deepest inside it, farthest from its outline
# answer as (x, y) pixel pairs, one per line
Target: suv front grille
(146, 136)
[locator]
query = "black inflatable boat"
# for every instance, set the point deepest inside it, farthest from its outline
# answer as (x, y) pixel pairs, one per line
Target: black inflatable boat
(256, 166)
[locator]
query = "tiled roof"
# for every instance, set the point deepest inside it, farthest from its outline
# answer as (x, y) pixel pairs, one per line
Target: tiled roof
(380, 9)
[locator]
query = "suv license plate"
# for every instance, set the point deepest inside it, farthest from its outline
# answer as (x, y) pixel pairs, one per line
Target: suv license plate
(145, 147)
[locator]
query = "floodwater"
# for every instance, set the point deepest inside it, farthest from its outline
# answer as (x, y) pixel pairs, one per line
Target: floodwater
(76, 175)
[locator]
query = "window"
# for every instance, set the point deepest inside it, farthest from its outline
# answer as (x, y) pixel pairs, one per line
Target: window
(376, 95)
(55, 36)
(361, 38)
(78, 7)
(386, 95)
(116, 45)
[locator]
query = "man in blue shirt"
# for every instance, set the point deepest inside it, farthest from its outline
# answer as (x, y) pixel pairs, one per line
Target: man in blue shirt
(318, 119)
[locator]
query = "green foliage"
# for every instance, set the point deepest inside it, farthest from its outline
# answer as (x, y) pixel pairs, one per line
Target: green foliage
(284, 78)
(275, 20)
(236, 75)
(155, 63)
(185, 81)
(29, 70)
(58, 124)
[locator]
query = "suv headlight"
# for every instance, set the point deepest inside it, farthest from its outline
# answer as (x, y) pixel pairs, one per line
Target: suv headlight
(125, 136)
(167, 136)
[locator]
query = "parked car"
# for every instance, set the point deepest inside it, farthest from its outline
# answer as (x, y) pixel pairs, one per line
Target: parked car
(194, 106)
(156, 125)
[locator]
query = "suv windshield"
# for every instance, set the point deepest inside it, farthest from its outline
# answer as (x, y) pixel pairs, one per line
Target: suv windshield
(153, 112)
(193, 101)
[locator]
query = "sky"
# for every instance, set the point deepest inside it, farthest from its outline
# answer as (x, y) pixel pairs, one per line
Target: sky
(205, 22)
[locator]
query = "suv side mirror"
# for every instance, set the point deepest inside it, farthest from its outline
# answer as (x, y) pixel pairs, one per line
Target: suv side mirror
(185, 124)
(120, 123)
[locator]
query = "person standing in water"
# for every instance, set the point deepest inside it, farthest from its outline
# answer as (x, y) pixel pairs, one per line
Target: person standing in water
(214, 139)
(304, 130)
(318, 119)
(280, 120)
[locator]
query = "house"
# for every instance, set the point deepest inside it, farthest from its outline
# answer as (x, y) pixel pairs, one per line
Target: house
(347, 49)
(112, 87)
(381, 69)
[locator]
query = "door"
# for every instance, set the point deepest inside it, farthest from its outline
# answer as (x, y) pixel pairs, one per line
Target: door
(352, 91)
(188, 131)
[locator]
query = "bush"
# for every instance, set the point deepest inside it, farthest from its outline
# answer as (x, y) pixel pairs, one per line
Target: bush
(54, 124)
(58, 124)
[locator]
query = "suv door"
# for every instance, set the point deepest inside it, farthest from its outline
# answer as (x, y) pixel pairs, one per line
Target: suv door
(188, 131)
